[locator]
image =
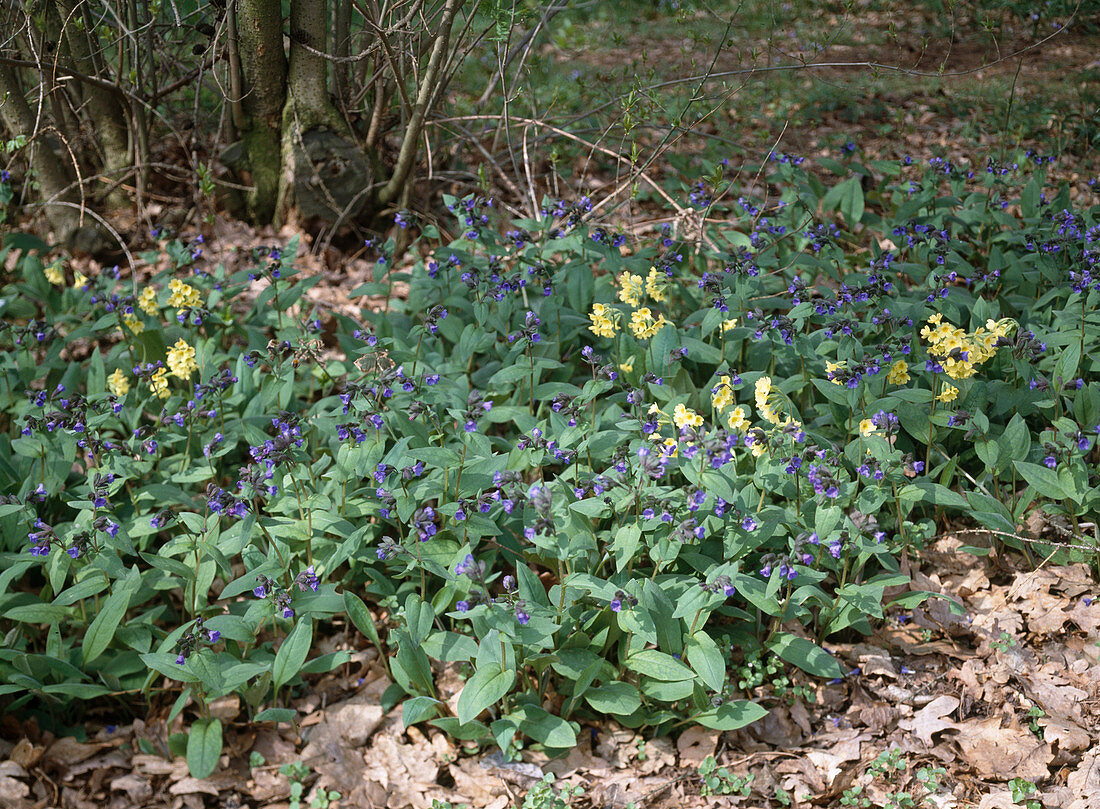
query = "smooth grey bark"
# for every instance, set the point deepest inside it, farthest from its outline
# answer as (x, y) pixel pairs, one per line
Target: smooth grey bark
(264, 69)
(52, 175)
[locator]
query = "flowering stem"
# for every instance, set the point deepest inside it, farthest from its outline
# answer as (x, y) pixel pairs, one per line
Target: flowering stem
(461, 464)
(931, 427)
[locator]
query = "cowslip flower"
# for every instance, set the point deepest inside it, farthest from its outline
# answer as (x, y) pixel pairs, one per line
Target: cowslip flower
(79, 279)
(630, 289)
(738, 418)
(722, 394)
(898, 373)
(763, 393)
(867, 427)
(643, 325)
(54, 275)
(655, 284)
(949, 393)
(181, 359)
(183, 295)
(132, 323)
(686, 417)
(158, 383)
(603, 323)
(147, 301)
(727, 325)
(118, 384)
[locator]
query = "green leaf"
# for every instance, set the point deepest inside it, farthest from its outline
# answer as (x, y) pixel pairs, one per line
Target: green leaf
(486, 687)
(925, 490)
(1043, 480)
(706, 658)
(544, 727)
(418, 709)
(915, 598)
(731, 715)
(292, 654)
(276, 715)
(617, 699)
(805, 654)
(204, 747)
(625, 545)
(1016, 440)
(659, 666)
(102, 629)
(361, 617)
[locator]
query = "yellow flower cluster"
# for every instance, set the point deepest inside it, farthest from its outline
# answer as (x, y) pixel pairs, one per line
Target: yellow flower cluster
(729, 324)
(738, 418)
(181, 359)
(54, 275)
(79, 279)
(959, 352)
(132, 323)
(831, 367)
(643, 325)
(183, 295)
(656, 286)
(763, 393)
(603, 320)
(723, 394)
(147, 301)
(118, 384)
(630, 289)
(686, 417)
(866, 427)
(898, 373)
(158, 383)
(949, 394)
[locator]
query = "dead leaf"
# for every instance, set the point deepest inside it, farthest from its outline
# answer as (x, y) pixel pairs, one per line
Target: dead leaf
(25, 754)
(1069, 736)
(695, 744)
(929, 719)
(997, 753)
(843, 747)
(138, 789)
(190, 785)
(998, 800)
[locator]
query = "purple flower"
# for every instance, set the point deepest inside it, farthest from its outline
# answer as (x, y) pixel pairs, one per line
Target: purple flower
(1050, 461)
(462, 606)
(749, 524)
(259, 591)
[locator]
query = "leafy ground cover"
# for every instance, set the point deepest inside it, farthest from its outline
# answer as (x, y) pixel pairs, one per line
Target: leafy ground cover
(582, 476)
(789, 497)
(933, 710)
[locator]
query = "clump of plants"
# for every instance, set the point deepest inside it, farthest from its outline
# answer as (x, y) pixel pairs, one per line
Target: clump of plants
(587, 468)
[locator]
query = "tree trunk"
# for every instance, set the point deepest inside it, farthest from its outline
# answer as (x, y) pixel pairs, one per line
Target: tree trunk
(48, 169)
(104, 108)
(325, 175)
(263, 63)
